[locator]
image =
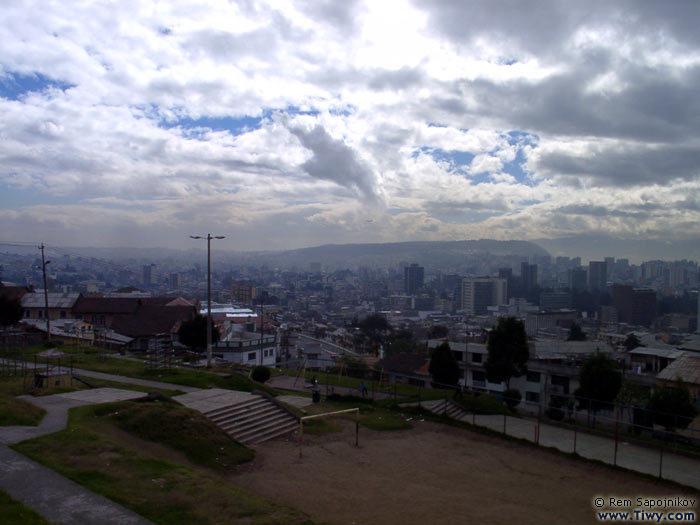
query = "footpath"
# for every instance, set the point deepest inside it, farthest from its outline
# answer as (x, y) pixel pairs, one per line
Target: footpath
(55, 497)
(632, 456)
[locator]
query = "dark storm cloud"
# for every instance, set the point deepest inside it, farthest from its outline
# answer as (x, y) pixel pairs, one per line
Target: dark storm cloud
(628, 166)
(334, 161)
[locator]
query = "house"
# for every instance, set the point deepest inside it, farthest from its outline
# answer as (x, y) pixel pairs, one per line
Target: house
(651, 360)
(141, 319)
(687, 369)
(60, 305)
(246, 348)
(406, 368)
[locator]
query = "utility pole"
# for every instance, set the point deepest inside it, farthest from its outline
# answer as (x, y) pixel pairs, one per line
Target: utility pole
(44, 262)
(209, 237)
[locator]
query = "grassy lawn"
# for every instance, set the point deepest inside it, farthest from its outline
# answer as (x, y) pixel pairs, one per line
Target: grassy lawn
(402, 389)
(18, 412)
(375, 417)
(482, 404)
(89, 358)
(12, 511)
(165, 462)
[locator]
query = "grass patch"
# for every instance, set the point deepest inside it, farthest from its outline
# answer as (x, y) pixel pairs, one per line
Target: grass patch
(372, 417)
(13, 511)
(482, 404)
(18, 412)
(180, 428)
(319, 426)
(98, 361)
(144, 474)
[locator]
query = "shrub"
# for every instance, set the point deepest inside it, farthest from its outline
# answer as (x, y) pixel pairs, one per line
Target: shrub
(260, 374)
(555, 410)
(512, 398)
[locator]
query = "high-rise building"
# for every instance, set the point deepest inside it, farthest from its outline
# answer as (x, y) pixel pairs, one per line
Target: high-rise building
(597, 276)
(175, 280)
(149, 274)
(478, 293)
(578, 279)
(528, 274)
(413, 279)
(243, 293)
(609, 267)
(634, 305)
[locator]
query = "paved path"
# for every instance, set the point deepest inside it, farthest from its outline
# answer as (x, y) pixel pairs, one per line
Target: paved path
(676, 467)
(134, 380)
(213, 398)
(300, 385)
(57, 407)
(59, 499)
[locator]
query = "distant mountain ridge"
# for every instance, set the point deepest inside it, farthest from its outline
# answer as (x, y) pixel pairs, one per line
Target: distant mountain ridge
(597, 247)
(426, 253)
(431, 254)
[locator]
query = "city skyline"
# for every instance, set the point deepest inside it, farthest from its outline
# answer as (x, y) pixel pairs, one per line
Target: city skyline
(286, 125)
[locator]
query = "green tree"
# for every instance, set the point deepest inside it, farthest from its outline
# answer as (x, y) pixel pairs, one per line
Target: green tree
(194, 333)
(444, 368)
(438, 331)
(374, 331)
(672, 406)
(508, 351)
(353, 367)
(10, 310)
(576, 334)
(600, 381)
(512, 398)
(632, 342)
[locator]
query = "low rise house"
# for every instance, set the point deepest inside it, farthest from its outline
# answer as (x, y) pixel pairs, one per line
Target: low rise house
(60, 305)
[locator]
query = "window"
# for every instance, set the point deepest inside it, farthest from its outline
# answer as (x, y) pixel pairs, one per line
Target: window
(478, 375)
(532, 397)
(533, 377)
(251, 356)
(458, 355)
(476, 358)
(63, 314)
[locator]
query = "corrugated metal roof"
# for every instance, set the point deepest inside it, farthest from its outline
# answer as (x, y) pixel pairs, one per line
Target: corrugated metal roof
(56, 300)
(659, 352)
(687, 368)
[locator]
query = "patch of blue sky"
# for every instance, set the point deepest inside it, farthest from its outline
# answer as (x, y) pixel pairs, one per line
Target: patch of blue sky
(14, 86)
(458, 160)
(194, 128)
(12, 198)
(399, 211)
(197, 128)
(466, 217)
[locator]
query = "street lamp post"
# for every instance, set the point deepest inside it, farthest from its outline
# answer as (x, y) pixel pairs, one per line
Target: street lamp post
(209, 237)
(44, 262)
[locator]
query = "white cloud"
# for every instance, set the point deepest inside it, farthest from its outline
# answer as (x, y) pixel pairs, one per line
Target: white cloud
(364, 107)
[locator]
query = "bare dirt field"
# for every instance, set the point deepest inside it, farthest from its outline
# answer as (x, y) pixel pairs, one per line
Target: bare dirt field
(436, 474)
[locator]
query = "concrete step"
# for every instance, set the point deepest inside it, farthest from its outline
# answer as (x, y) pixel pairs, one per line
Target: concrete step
(261, 419)
(245, 405)
(260, 432)
(273, 433)
(245, 416)
(253, 421)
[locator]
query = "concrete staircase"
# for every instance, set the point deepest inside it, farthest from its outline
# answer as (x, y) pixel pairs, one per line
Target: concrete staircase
(254, 421)
(446, 406)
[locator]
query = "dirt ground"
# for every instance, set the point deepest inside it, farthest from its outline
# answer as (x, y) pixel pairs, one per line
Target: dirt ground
(435, 474)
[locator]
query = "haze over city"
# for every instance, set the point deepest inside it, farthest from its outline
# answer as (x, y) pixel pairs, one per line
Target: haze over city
(290, 124)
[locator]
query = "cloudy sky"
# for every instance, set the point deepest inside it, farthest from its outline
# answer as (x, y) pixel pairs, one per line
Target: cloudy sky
(285, 124)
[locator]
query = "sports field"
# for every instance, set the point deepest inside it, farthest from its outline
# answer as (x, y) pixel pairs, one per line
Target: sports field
(436, 474)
